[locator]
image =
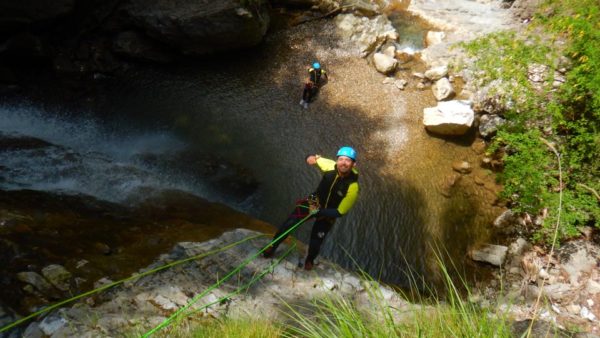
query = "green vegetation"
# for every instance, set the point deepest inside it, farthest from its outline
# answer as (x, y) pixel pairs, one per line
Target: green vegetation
(227, 328)
(563, 44)
(336, 316)
(209, 327)
(456, 317)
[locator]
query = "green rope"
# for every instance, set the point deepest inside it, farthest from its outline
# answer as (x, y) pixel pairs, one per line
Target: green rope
(247, 285)
(107, 286)
(168, 320)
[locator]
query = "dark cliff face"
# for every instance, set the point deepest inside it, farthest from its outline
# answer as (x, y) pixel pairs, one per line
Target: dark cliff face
(88, 39)
(201, 27)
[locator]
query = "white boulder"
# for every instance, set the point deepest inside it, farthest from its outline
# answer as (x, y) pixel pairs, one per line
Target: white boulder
(442, 89)
(449, 117)
(384, 63)
(490, 253)
(436, 73)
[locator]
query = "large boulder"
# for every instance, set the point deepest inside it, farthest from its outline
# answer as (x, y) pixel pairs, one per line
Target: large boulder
(367, 34)
(200, 28)
(492, 98)
(578, 259)
(449, 117)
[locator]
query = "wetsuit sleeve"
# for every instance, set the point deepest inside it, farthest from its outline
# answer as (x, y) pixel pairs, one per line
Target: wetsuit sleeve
(325, 164)
(349, 200)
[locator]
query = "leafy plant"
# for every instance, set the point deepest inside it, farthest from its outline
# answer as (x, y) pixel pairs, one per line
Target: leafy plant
(565, 41)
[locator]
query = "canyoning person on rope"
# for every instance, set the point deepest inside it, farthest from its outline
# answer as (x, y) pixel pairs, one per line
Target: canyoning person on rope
(336, 194)
(312, 84)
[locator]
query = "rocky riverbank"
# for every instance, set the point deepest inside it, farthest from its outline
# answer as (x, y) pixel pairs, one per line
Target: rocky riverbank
(557, 288)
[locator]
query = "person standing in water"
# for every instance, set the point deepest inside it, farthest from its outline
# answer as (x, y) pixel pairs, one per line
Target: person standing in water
(312, 84)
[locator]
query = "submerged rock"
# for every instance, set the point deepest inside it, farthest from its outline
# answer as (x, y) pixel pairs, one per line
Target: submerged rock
(58, 276)
(37, 281)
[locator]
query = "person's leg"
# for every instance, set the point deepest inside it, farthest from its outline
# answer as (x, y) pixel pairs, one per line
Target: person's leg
(305, 94)
(299, 212)
(320, 229)
(285, 226)
(314, 92)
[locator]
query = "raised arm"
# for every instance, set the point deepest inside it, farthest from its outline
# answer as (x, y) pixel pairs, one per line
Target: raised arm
(324, 164)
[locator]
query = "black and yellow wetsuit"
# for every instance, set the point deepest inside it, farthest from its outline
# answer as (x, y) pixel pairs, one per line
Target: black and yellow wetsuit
(316, 74)
(336, 195)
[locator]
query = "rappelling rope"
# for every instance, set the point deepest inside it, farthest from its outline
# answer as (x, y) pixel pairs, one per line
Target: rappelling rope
(110, 285)
(246, 286)
(168, 320)
(178, 262)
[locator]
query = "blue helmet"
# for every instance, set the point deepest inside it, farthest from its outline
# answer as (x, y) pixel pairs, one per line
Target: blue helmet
(348, 152)
(316, 65)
